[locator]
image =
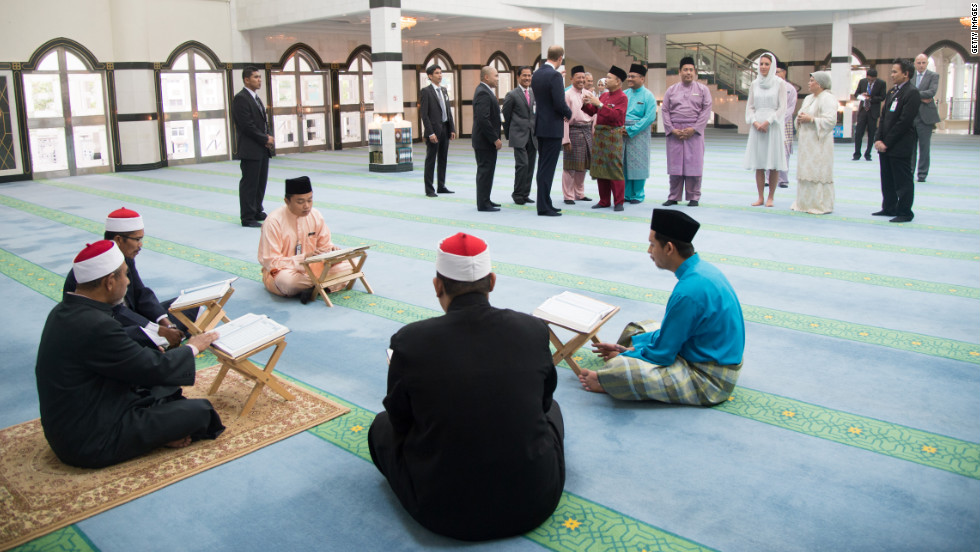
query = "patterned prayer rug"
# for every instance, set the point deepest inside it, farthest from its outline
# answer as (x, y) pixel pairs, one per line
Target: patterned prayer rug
(39, 494)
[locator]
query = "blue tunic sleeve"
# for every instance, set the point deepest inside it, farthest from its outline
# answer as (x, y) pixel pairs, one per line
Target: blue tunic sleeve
(662, 346)
(644, 114)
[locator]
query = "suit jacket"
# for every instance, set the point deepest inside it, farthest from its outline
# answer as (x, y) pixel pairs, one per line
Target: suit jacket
(519, 119)
(896, 126)
(486, 118)
(928, 112)
(875, 97)
(432, 113)
(477, 467)
(549, 97)
(251, 128)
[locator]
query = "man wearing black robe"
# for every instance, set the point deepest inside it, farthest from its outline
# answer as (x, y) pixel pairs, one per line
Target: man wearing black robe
(471, 440)
(103, 397)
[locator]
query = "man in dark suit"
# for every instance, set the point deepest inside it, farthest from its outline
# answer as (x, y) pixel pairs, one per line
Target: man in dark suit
(255, 146)
(437, 129)
(486, 137)
(471, 440)
(519, 129)
(895, 142)
(549, 125)
(927, 82)
(870, 91)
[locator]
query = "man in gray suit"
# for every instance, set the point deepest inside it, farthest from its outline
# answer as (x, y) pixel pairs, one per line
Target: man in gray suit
(928, 84)
(519, 129)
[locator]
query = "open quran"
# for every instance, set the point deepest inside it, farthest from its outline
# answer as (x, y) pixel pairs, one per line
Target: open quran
(247, 332)
(573, 311)
(334, 254)
(206, 292)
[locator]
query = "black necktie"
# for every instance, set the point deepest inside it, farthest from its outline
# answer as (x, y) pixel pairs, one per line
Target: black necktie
(261, 107)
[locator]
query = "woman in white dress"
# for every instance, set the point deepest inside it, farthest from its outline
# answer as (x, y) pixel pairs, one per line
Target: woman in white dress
(765, 112)
(815, 164)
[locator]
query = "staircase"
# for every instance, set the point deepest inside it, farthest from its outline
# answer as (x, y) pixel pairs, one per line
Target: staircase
(726, 73)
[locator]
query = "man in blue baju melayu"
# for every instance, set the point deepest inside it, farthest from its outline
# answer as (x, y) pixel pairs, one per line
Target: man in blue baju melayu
(695, 355)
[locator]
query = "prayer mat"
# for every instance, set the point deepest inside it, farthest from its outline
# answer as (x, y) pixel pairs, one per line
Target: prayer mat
(39, 494)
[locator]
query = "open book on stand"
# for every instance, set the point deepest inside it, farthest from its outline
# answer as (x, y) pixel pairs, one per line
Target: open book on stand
(573, 311)
(334, 254)
(247, 332)
(206, 292)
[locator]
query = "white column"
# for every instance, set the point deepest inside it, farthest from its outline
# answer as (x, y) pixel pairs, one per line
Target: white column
(129, 31)
(552, 33)
(657, 71)
(840, 67)
(241, 48)
(386, 56)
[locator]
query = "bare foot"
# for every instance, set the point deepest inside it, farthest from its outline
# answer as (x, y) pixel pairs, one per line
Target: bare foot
(757, 203)
(179, 443)
(590, 381)
(769, 203)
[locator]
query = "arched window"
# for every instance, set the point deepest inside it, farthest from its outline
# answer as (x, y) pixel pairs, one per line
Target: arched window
(505, 73)
(66, 115)
(442, 60)
(299, 106)
(195, 121)
(356, 98)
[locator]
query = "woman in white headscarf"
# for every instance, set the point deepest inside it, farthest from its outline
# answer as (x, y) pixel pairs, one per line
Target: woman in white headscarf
(765, 112)
(815, 165)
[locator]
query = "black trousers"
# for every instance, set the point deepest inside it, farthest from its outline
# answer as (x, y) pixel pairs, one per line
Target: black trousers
(897, 187)
(548, 150)
(251, 188)
(433, 153)
(865, 124)
(524, 170)
(486, 165)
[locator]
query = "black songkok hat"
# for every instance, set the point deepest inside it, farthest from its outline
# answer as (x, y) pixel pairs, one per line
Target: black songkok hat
(299, 185)
(618, 72)
(577, 69)
(688, 60)
(782, 65)
(873, 72)
(638, 69)
(674, 224)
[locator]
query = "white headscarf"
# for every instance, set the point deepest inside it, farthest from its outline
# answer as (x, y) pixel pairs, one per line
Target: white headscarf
(769, 80)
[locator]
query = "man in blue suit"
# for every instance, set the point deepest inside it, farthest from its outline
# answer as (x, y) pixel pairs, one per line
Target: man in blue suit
(549, 126)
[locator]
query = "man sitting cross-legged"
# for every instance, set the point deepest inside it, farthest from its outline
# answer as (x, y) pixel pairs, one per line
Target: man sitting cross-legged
(695, 356)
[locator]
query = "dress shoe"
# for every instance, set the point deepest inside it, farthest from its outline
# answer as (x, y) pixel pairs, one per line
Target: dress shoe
(901, 219)
(783, 185)
(556, 209)
(635, 202)
(569, 202)
(867, 157)
(528, 200)
(445, 190)
(692, 203)
(921, 179)
(492, 204)
(599, 206)
(252, 223)
(549, 214)
(261, 216)
(883, 213)
(585, 199)
(488, 209)
(618, 207)
(857, 157)
(519, 202)
(431, 194)
(306, 295)
(669, 202)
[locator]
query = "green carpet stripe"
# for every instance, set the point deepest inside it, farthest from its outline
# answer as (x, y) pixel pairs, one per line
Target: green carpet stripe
(867, 246)
(39, 279)
(577, 523)
(888, 438)
(67, 539)
(896, 339)
(589, 214)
